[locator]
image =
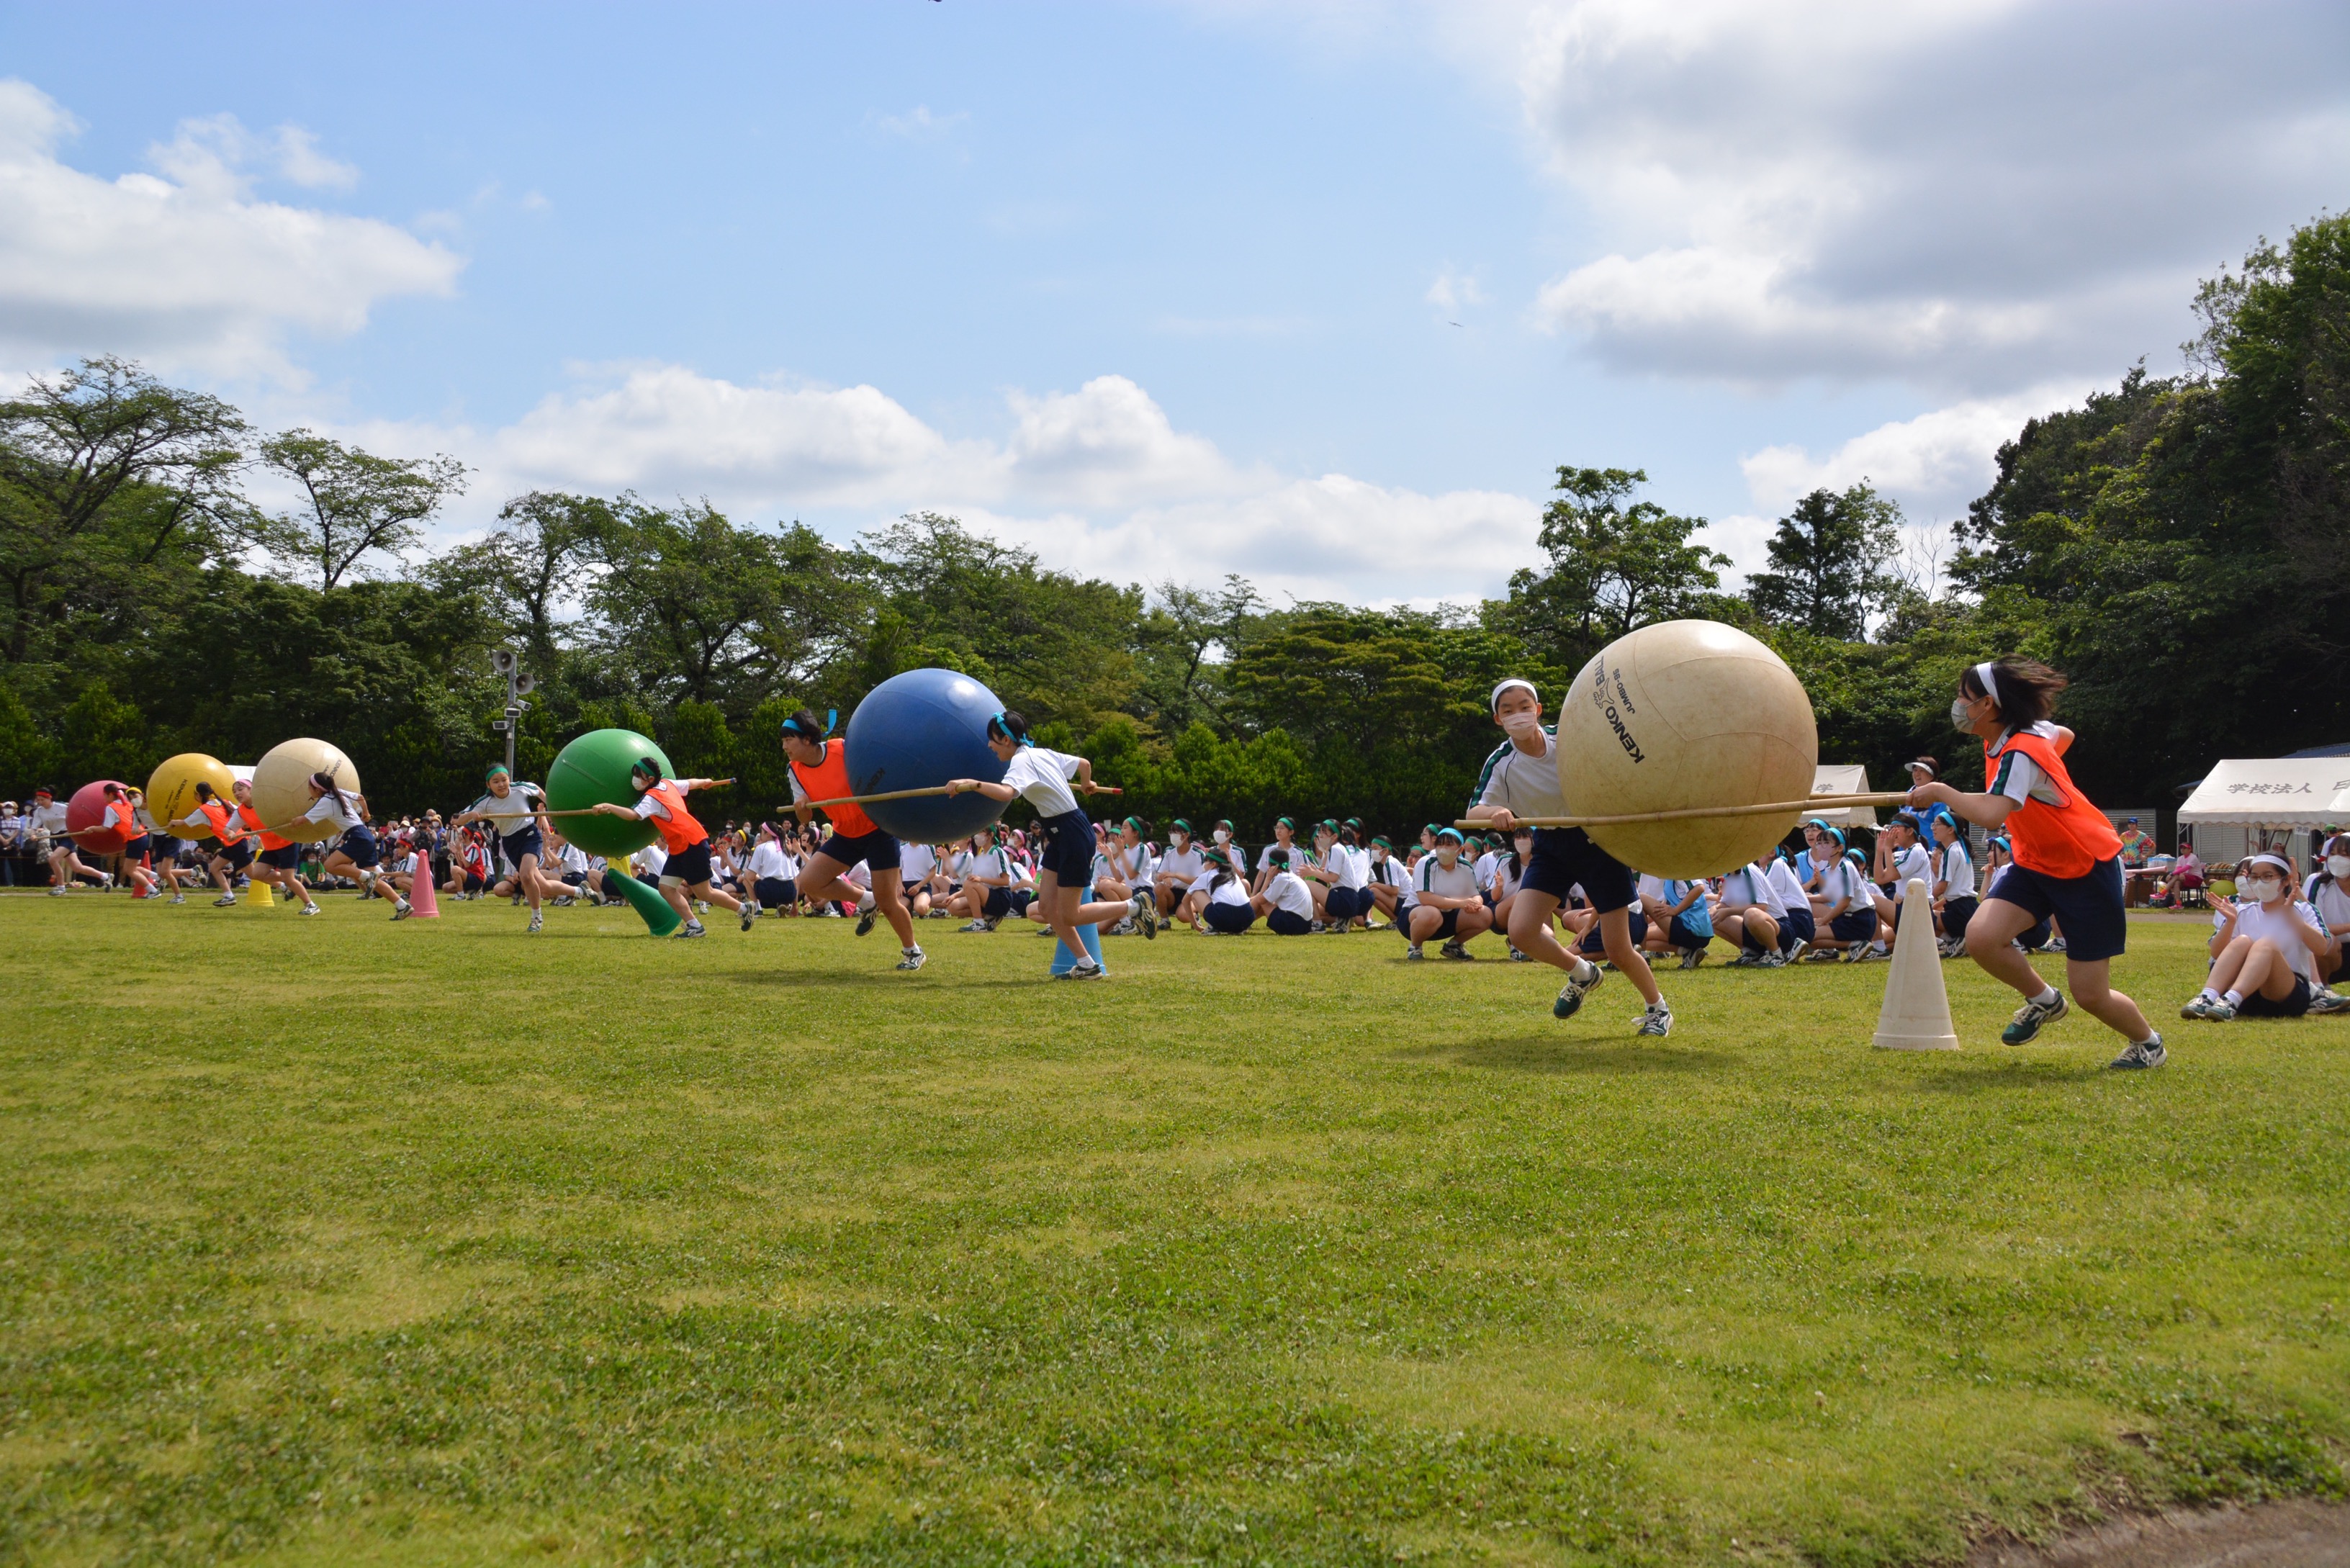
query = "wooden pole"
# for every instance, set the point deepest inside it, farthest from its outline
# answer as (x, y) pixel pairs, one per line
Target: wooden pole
(1696, 813)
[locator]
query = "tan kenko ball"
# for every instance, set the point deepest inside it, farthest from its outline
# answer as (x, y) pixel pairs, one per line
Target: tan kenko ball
(1680, 714)
(281, 787)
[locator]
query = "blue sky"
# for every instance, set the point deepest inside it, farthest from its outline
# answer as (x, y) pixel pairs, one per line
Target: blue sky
(1160, 290)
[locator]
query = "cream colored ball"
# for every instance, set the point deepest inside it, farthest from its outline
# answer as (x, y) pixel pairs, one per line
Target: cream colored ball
(281, 787)
(1680, 714)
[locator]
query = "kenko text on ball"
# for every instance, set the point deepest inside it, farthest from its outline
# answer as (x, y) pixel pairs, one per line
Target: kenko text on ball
(1680, 715)
(915, 731)
(281, 787)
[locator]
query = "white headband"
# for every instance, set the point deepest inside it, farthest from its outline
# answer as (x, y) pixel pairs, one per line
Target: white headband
(1495, 699)
(2270, 860)
(1989, 684)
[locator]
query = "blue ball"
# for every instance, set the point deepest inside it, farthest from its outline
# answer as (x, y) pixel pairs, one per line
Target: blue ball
(917, 730)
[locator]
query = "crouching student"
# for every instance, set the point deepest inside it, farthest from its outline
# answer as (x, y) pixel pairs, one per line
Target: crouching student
(1224, 901)
(1286, 902)
(2264, 944)
(1678, 920)
(1445, 901)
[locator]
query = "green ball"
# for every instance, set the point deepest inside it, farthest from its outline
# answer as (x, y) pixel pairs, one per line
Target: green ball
(593, 771)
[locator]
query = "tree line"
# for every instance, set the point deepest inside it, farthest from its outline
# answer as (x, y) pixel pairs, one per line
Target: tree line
(2177, 545)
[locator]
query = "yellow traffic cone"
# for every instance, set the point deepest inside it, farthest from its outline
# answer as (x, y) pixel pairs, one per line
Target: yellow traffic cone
(256, 893)
(1916, 1015)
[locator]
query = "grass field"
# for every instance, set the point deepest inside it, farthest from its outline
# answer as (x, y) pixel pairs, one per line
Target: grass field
(332, 1241)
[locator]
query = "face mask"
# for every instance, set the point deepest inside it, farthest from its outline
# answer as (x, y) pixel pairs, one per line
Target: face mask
(1525, 846)
(1379, 857)
(1960, 719)
(1522, 723)
(2262, 891)
(2338, 865)
(1223, 836)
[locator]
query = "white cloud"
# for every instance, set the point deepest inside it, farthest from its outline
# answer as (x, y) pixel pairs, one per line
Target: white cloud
(186, 269)
(1970, 196)
(1933, 465)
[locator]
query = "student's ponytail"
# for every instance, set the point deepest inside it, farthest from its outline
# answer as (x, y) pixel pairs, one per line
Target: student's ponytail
(325, 782)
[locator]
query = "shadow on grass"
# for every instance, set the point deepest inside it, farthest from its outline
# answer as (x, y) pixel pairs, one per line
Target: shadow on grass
(1557, 1053)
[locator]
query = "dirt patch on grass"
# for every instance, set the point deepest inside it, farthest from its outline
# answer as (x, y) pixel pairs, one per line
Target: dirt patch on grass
(2300, 1533)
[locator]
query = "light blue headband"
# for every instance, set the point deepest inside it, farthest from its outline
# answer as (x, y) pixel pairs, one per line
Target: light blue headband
(996, 726)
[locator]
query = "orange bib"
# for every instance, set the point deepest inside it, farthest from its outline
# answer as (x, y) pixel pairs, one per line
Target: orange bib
(2063, 840)
(679, 830)
(828, 779)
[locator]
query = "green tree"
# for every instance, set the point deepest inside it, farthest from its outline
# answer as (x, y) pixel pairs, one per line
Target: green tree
(1829, 563)
(1612, 566)
(354, 504)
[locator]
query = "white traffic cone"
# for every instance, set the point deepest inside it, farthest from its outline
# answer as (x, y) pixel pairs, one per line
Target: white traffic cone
(1916, 1015)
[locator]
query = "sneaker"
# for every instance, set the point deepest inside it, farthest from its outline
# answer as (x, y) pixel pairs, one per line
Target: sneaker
(1774, 961)
(2031, 1016)
(307, 908)
(975, 927)
(1825, 955)
(1692, 956)
(1656, 1019)
(1580, 983)
(2055, 945)
(1747, 959)
(1317, 927)
(2145, 1054)
(1519, 955)
(750, 914)
(224, 900)
(182, 897)
(1146, 912)
(1456, 952)
(865, 921)
(913, 958)
(1087, 970)
(1045, 931)
(538, 921)
(2322, 1000)
(691, 929)
(1865, 953)
(1793, 955)
(1413, 953)
(57, 892)
(515, 903)
(1124, 928)
(400, 911)
(2201, 1006)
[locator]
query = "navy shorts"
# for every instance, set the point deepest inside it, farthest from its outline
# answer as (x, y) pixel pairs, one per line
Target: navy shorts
(1683, 935)
(1345, 903)
(2292, 1004)
(1288, 923)
(360, 847)
(776, 892)
(138, 846)
(1798, 925)
(519, 844)
(2089, 907)
(690, 866)
(1447, 923)
(997, 904)
(1595, 941)
(1068, 848)
(877, 850)
(1853, 926)
(1564, 857)
(1231, 919)
(238, 855)
(285, 857)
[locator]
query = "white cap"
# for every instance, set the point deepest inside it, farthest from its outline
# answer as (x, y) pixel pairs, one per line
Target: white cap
(1494, 701)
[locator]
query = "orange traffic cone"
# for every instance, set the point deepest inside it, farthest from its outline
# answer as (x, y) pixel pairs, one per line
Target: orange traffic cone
(423, 902)
(1916, 1015)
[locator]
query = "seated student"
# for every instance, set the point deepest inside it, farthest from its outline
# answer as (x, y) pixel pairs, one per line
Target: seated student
(1678, 920)
(1224, 901)
(2263, 945)
(1173, 873)
(1285, 843)
(1343, 877)
(1509, 874)
(1445, 901)
(1287, 903)
(1847, 911)
(1954, 884)
(569, 862)
(2327, 891)
(1125, 860)
(1388, 879)
(1754, 912)
(1909, 860)
(917, 864)
(774, 872)
(2000, 855)
(985, 897)
(1220, 835)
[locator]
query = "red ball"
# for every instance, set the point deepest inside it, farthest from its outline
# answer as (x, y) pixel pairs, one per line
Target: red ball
(87, 822)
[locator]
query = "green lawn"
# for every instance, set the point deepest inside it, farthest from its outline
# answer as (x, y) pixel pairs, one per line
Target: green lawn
(330, 1242)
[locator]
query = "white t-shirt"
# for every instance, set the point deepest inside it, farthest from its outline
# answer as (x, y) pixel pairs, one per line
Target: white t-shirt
(1911, 862)
(1185, 863)
(51, 819)
(858, 875)
(916, 862)
(327, 810)
(1287, 890)
(768, 860)
(2284, 927)
(1958, 870)
(990, 868)
(571, 858)
(2332, 901)
(1525, 786)
(651, 859)
(1749, 885)
(1843, 881)
(1238, 857)
(1507, 874)
(1460, 882)
(1352, 865)
(1790, 892)
(513, 814)
(1042, 778)
(1387, 873)
(1233, 891)
(1485, 865)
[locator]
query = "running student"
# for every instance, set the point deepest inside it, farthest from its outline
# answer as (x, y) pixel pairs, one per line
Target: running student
(122, 814)
(2067, 858)
(1043, 779)
(2265, 946)
(686, 874)
(230, 853)
(1520, 779)
(280, 857)
(517, 812)
(820, 772)
(356, 853)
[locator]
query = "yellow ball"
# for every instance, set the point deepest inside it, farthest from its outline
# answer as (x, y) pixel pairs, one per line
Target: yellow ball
(1680, 714)
(171, 791)
(281, 787)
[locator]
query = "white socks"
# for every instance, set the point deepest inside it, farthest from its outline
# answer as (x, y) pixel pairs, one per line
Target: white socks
(2047, 998)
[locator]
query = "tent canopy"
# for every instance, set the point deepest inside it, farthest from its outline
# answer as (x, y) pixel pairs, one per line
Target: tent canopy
(2273, 792)
(1837, 778)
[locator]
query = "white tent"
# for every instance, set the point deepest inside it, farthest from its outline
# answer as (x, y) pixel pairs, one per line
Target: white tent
(1837, 778)
(2273, 792)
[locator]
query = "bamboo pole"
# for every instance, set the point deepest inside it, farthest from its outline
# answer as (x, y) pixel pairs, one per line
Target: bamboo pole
(1699, 812)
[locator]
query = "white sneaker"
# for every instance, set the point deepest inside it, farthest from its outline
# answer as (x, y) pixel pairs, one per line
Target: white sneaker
(1656, 1019)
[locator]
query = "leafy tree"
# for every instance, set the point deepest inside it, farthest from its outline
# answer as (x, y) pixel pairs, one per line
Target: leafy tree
(1612, 566)
(531, 566)
(1829, 563)
(1184, 645)
(354, 502)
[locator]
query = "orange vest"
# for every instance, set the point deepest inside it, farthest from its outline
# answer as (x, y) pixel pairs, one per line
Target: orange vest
(679, 830)
(252, 819)
(217, 815)
(828, 779)
(2066, 840)
(124, 820)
